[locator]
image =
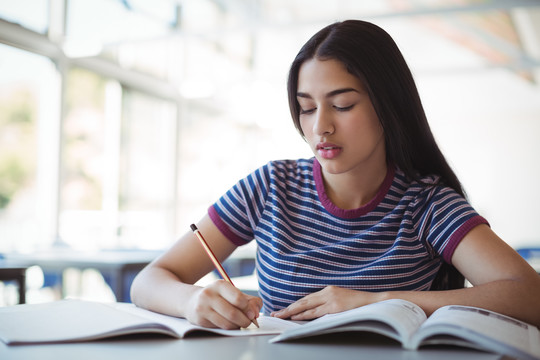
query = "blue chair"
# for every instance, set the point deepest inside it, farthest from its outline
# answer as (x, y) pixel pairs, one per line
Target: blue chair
(532, 255)
(529, 253)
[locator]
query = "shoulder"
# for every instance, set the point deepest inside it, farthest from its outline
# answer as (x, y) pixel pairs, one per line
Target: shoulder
(440, 215)
(426, 189)
(291, 167)
(429, 198)
(289, 170)
(279, 174)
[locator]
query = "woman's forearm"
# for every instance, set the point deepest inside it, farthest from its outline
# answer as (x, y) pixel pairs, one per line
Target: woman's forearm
(159, 290)
(515, 298)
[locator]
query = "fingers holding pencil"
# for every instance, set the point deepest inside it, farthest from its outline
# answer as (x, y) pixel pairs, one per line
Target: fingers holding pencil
(254, 304)
(249, 305)
(254, 307)
(222, 305)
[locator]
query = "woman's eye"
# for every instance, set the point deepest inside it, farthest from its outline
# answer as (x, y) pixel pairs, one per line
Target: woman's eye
(343, 108)
(307, 111)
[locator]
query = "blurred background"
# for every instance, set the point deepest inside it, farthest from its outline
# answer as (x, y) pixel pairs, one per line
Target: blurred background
(121, 121)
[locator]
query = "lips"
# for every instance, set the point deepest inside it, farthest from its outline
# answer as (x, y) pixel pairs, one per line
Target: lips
(328, 150)
(326, 146)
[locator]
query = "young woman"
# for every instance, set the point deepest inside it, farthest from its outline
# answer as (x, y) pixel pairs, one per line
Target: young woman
(376, 214)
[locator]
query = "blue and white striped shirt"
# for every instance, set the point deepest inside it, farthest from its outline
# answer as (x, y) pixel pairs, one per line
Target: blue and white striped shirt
(395, 242)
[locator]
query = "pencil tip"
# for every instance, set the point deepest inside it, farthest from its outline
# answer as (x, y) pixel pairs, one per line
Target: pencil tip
(254, 321)
(193, 227)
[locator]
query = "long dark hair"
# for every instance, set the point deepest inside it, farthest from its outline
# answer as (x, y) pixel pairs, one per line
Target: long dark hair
(369, 53)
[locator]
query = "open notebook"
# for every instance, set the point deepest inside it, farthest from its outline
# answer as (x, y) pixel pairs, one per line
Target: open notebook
(79, 320)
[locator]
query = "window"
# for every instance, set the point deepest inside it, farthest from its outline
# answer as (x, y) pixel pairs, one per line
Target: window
(28, 149)
(147, 192)
(86, 127)
(118, 174)
(88, 137)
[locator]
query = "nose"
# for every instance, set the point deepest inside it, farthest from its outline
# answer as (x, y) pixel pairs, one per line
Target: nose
(324, 122)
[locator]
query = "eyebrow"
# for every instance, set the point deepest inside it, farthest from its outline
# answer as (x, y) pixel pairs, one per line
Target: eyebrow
(329, 95)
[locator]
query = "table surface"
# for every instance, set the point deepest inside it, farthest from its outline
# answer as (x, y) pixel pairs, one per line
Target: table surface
(102, 258)
(334, 347)
(81, 258)
(118, 264)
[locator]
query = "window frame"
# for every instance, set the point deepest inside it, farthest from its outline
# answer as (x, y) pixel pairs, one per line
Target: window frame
(17, 36)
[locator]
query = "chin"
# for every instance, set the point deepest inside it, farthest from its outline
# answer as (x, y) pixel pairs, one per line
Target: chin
(331, 167)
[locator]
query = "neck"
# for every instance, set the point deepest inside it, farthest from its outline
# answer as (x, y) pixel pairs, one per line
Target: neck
(354, 189)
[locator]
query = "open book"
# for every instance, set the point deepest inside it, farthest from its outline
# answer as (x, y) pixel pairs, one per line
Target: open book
(450, 325)
(79, 320)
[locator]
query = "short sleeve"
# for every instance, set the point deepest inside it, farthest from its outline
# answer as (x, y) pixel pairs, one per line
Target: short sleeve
(237, 212)
(444, 218)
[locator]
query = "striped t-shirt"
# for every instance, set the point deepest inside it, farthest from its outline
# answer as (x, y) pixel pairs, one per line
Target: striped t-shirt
(305, 243)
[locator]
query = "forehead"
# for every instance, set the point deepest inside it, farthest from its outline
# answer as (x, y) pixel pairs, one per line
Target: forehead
(325, 75)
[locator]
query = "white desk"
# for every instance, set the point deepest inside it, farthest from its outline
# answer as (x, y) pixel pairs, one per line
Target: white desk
(119, 267)
(234, 348)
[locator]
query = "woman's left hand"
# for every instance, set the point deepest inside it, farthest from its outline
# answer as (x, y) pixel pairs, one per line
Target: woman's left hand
(330, 300)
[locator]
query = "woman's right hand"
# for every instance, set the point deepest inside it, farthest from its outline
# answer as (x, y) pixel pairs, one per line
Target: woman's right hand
(222, 305)
(166, 285)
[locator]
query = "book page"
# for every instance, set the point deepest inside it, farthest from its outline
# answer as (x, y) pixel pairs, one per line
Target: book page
(68, 320)
(79, 320)
(397, 319)
(485, 329)
(267, 325)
